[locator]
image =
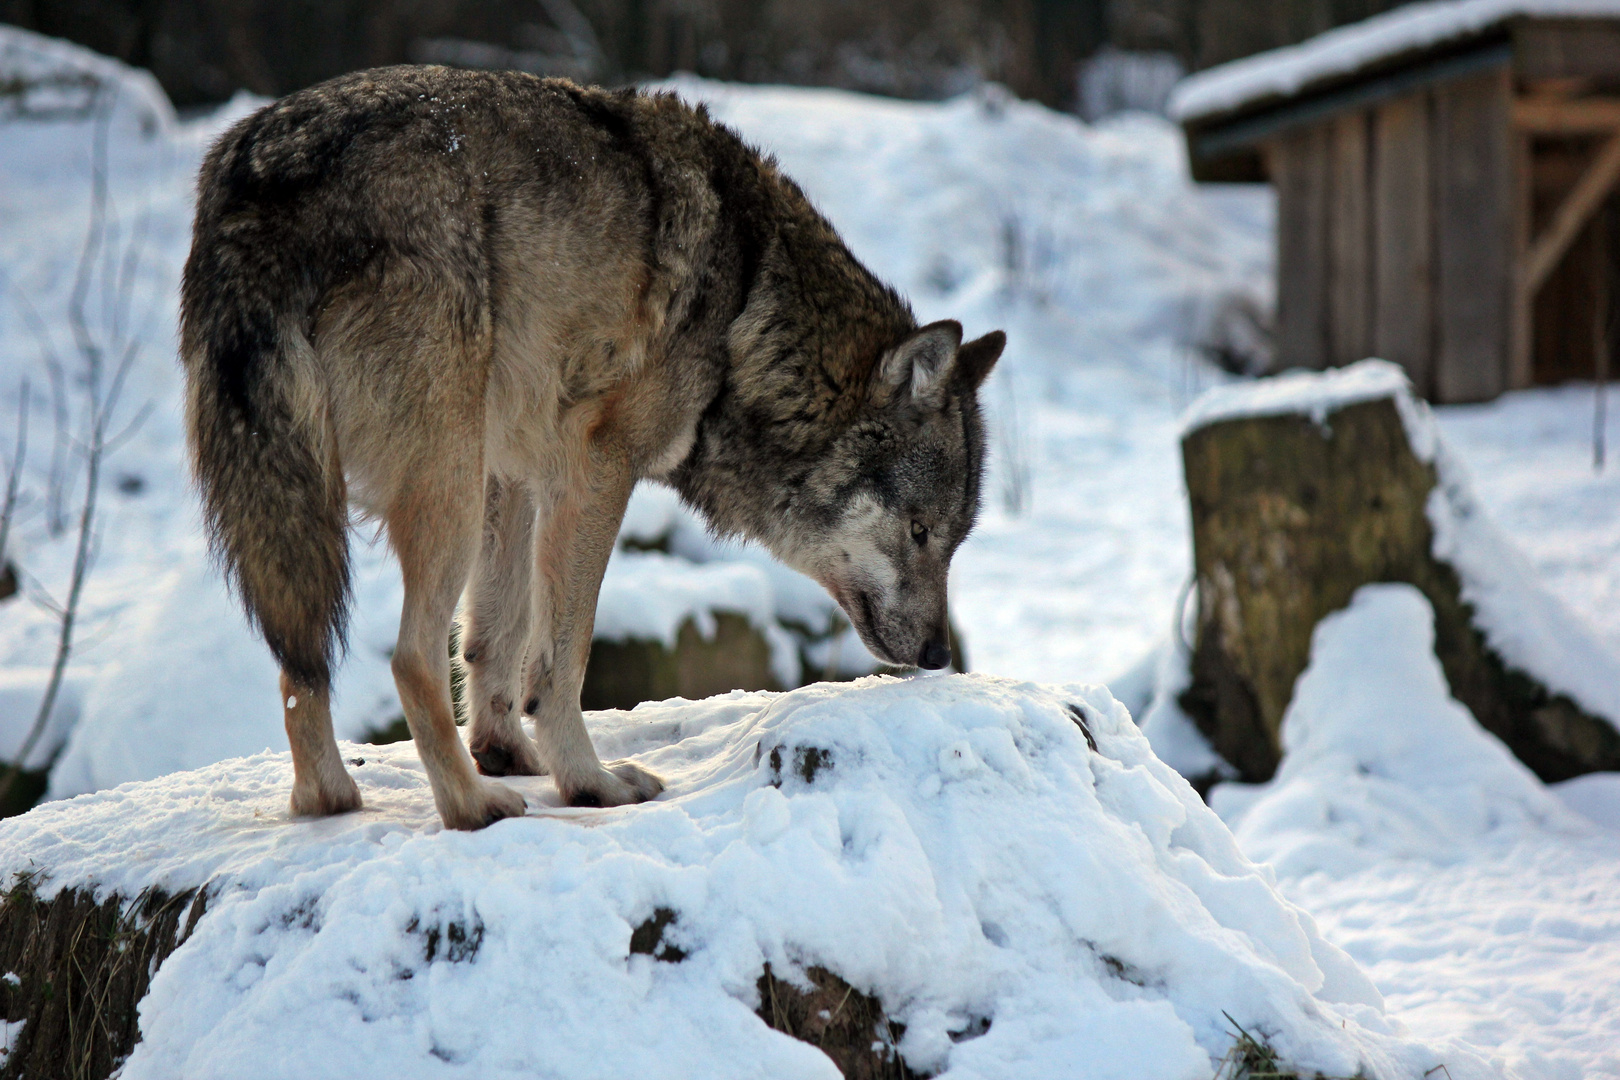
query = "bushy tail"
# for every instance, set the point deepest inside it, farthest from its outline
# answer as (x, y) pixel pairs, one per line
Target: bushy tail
(264, 453)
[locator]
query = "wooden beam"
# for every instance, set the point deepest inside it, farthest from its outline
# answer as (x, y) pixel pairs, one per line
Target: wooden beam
(1403, 239)
(1580, 116)
(1473, 224)
(1521, 326)
(1592, 188)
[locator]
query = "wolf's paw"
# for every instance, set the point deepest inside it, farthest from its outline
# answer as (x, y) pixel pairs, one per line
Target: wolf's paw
(615, 784)
(337, 796)
(502, 759)
(485, 803)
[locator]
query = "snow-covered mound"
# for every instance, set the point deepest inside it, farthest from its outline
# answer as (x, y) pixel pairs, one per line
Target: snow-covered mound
(48, 78)
(1482, 905)
(953, 845)
(1380, 761)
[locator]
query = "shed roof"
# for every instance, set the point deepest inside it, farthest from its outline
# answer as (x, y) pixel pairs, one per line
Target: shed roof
(1390, 39)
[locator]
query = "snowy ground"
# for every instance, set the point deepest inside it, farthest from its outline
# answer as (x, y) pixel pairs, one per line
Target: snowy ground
(1480, 905)
(961, 852)
(1092, 249)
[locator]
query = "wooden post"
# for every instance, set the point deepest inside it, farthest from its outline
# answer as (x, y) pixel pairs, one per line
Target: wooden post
(1572, 214)
(1601, 298)
(1521, 326)
(1403, 253)
(1349, 319)
(1299, 168)
(1474, 232)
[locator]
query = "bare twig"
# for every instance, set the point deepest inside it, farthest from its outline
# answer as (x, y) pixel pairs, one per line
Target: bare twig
(64, 645)
(57, 480)
(14, 470)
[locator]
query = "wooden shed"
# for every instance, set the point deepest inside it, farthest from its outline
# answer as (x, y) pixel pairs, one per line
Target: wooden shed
(1445, 177)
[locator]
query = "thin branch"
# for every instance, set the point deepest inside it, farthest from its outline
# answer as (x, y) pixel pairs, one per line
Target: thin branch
(129, 429)
(14, 470)
(64, 644)
(89, 348)
(56, 480)
(126, 274)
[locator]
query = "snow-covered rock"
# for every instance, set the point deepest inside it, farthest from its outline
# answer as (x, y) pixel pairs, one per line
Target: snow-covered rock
(954, 846)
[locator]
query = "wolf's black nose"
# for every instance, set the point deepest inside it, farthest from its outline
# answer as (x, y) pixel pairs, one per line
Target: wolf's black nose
(935, 655)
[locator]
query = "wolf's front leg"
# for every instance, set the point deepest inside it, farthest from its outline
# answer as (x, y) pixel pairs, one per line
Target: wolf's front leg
(575, 544)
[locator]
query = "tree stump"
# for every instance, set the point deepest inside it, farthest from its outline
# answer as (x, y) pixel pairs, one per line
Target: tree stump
(1291, 515)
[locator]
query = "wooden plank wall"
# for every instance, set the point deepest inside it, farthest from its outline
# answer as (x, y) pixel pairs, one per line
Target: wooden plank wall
(1350, 266)
(1403, 239)
(1394, 235)
(1474, 225)
(1299, 165)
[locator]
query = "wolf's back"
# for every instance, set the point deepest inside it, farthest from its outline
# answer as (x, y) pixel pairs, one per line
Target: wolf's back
(261, 443)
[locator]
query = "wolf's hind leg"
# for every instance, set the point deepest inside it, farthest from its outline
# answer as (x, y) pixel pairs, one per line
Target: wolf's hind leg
(494, 631)
(433, 526)
(579, 535)
(321, 785)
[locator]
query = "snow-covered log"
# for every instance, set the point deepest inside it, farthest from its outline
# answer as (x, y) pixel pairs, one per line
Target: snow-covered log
(1305, 488)
(955, 876)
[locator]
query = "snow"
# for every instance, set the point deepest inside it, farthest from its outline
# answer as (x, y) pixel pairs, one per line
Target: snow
(1411, 28)
(1316, 394)
(1091, 247)
(1528, 626)
(965, 856)
(1480, 904)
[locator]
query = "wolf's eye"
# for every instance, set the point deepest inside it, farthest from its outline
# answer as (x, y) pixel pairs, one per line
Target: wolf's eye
(919, 533)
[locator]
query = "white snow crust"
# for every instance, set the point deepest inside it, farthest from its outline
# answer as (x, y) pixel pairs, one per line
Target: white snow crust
(1479, 902)
(965, 856)
(1316, 394)
(1411, 28)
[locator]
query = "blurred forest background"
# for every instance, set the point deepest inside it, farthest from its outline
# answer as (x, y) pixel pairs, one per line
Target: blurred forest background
(1091, 56)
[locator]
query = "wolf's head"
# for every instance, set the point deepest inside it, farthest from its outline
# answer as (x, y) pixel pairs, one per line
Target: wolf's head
(898, 491)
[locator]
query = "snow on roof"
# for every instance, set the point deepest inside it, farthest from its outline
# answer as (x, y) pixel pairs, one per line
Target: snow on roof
(1413, 28)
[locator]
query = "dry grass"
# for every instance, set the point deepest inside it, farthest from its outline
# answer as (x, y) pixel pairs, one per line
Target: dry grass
(1251, 1058)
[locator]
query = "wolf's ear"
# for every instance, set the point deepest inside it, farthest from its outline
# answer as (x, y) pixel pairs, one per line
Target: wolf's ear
(975, 359)
(920, 366)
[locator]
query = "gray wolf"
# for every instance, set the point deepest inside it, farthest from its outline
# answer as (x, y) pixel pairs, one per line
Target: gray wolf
(479, 307)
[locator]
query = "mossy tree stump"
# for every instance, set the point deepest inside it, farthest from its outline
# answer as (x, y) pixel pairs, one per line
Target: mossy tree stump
(1290, 517)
